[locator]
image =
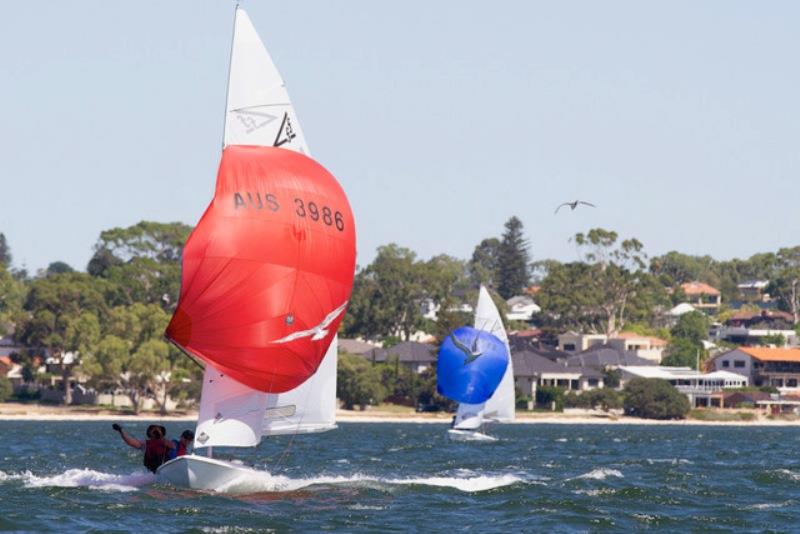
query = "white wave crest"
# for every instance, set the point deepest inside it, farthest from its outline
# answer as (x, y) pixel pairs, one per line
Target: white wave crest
(601, 473)
(262, 481)
(788, 473)
(89, 478)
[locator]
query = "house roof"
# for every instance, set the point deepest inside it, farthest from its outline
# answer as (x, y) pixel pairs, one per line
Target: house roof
(680, 309)
(532, 290)
(599, 356)
(528, 363)
(763, 354)
(654, 341)
(530, 332)
(355, 346)
(698, 288)
(406, 352)
(744, 315)
(6, 360)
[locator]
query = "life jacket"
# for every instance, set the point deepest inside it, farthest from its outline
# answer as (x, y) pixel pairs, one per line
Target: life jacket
(155, 453)
(178, 450)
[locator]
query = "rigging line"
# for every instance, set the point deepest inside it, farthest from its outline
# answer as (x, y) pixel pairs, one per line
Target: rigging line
(185, 352)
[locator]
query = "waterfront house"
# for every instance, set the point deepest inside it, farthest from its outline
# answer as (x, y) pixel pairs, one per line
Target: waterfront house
(532, 370)
(418, 357)
(751, 327)
(699, 387)
(779, 368)
(702, 296)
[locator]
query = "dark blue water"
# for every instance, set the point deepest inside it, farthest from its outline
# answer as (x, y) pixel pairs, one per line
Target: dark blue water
(408, 477)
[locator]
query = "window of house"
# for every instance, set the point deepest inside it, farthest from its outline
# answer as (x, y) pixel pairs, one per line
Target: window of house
(739, 364)
(791, 382)
(726, 363)
(593, 382)
(569, 347)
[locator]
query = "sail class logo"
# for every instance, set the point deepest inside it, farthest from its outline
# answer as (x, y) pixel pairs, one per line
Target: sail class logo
(285, 132)
(254, 120)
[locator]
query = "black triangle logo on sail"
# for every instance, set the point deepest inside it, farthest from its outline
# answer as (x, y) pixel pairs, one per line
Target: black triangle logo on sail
(285, 133)
(254, 120)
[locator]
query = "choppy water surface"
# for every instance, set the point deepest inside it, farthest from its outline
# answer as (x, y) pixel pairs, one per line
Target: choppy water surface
(408, 477)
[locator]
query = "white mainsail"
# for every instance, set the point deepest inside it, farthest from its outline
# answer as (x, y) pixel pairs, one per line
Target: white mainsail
(259, 112)
(500, 406)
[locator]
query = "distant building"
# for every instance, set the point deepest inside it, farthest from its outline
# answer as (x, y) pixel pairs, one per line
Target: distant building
(521, 308)
(416, 356)
(574, 342)
(647, 347)
(750, 327)
(779, 368)
(532, 371)
(681, 309)
(753, 291)
(699, 387)
(524, 339)
(702, 296)
(355, 346)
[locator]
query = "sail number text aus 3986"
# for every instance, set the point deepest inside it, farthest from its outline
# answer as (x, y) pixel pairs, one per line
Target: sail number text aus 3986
(303, 208)
(317, 213)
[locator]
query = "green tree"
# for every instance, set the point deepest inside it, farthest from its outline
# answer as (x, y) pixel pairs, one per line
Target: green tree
(133, 356)
(604, 290)
(358, 382)
(143, 261)
(388, 295)
(692, 326)
(5, 251)
(485, 263)
(513, 262)
(683, 352)
(55, 305)
(6, 389)
(653, 398)
(59, 267)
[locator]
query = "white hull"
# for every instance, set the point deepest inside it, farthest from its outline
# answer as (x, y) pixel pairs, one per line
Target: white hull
(468, 435)
(201, 473)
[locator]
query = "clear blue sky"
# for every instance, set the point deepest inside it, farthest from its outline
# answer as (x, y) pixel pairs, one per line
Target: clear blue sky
(680, 120)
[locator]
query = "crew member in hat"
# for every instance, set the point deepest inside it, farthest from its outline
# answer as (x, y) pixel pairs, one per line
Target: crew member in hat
(156, 447)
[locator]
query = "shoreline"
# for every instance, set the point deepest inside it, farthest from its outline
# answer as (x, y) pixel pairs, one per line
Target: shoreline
(34, 412)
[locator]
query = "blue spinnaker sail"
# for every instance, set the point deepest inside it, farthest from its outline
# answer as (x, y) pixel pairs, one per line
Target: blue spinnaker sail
(471, 365)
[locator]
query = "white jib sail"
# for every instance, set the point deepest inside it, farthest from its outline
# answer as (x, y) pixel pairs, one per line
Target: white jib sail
(231, 413)
(500, 406)
(258, 109)
(259, 112)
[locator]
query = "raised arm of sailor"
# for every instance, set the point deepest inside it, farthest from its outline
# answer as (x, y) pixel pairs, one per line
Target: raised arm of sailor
(133, 442)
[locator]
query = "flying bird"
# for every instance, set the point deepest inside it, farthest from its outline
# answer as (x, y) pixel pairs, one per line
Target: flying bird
(573, 205)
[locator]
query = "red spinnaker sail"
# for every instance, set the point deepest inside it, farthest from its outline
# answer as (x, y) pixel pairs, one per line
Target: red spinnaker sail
(267, 272)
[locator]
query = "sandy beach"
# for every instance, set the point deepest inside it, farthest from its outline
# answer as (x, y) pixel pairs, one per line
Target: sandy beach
(35, 412)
